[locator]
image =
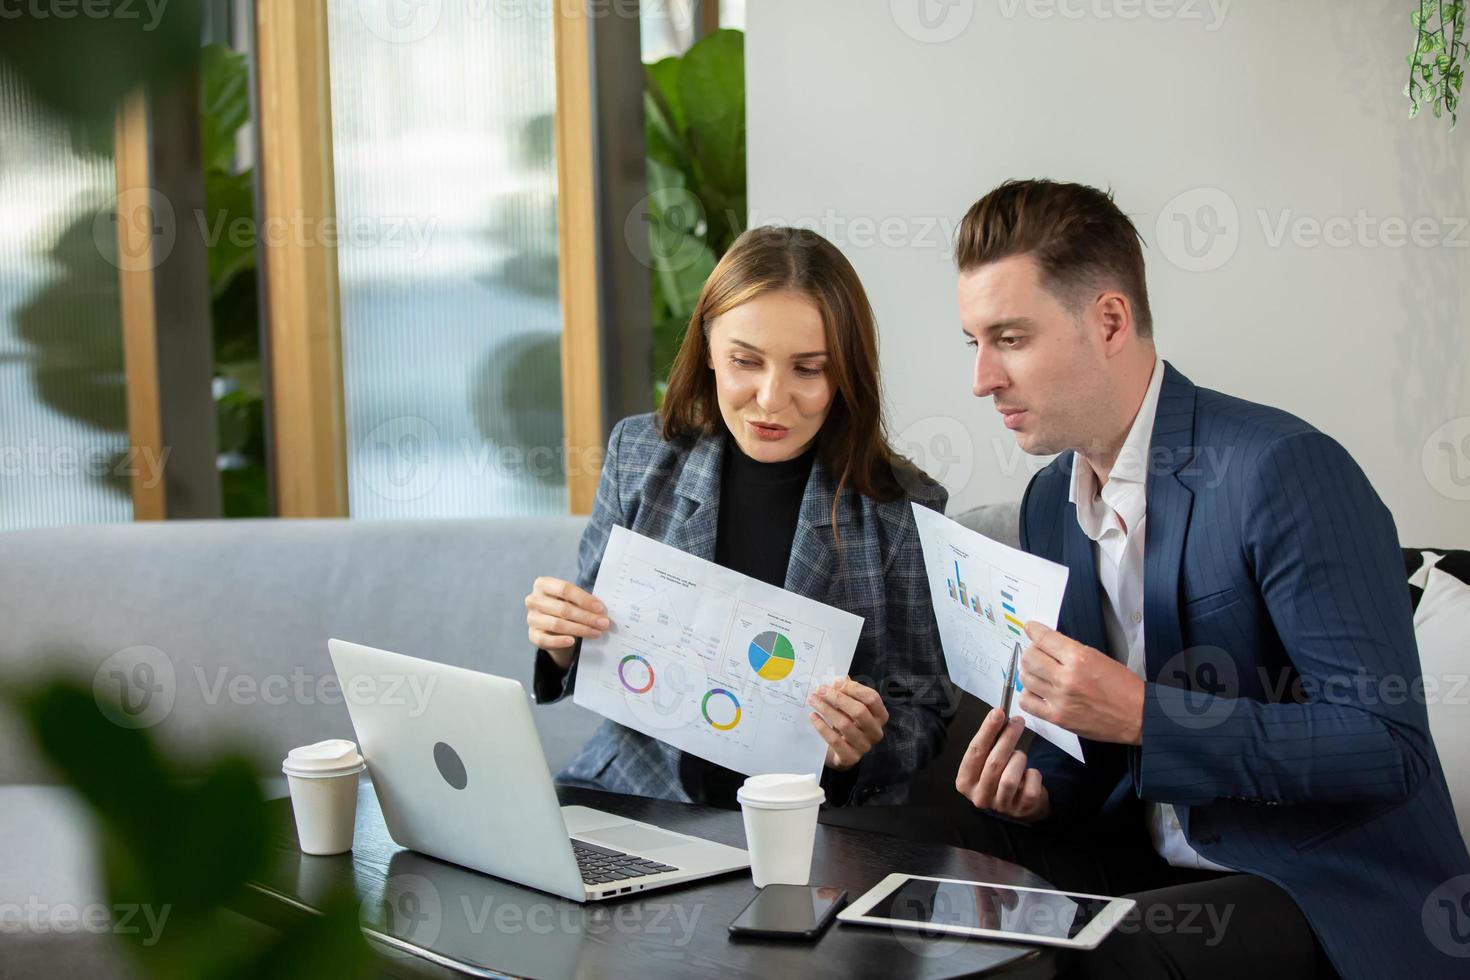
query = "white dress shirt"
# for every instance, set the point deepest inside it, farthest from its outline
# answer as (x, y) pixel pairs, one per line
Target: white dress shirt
(1114, 519)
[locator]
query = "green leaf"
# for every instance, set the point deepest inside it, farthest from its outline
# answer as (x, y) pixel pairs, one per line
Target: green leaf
(661, 79)
(247, 377)
(83, 66)
(664, 143)
(712, 90)
(326, 945)
(107, 765)
(92, 136)
(228, 226)
(668, 335)
(160, 846)
(224, 79)
(681, 262)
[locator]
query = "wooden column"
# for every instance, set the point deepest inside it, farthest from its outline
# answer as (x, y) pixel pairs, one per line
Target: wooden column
(576, 177)
(163, 280)
(303, 338)
(145, 426)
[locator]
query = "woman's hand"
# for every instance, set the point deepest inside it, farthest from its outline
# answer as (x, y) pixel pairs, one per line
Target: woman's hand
(850, 718)
(557, 613)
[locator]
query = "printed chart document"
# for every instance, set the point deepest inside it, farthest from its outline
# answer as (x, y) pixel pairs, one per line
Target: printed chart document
(711, 661)
(984, 593)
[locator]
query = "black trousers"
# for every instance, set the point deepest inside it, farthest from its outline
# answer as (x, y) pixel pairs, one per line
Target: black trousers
(1188, 923)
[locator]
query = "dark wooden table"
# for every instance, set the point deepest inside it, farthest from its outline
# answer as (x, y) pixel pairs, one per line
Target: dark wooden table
(428, 918)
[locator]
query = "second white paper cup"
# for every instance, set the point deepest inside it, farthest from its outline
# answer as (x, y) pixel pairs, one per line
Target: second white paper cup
(780, 814)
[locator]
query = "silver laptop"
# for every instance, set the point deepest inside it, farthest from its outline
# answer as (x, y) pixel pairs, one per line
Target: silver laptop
(460, 776)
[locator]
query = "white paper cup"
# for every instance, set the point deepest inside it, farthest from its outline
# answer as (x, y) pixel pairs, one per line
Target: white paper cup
(780, 826)
(323, 781)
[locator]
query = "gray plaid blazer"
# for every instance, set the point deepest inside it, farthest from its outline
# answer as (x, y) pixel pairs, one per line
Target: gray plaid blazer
(670, 491)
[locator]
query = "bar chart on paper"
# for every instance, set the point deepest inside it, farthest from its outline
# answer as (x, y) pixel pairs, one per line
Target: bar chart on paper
(984, 594)
(998, 598)
(997, 604)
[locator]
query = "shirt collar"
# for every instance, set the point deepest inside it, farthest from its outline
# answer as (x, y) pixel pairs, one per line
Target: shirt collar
(1129, 472)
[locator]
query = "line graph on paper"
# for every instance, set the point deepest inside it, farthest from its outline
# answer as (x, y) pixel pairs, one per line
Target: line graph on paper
(672, 615)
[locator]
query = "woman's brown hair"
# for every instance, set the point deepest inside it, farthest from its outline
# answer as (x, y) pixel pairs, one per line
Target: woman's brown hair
(852, 442)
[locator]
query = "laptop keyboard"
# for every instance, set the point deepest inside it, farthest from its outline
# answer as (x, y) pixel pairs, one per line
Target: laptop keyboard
(600, 865)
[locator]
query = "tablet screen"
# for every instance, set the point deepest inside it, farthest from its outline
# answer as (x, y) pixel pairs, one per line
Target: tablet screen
(1015, 910)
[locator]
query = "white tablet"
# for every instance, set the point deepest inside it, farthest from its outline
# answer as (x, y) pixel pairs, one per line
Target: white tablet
(988, 911)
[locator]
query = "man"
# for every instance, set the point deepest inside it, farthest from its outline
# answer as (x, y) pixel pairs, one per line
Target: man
(1234, 628)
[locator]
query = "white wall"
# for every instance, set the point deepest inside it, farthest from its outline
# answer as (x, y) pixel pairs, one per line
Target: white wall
(880, 131)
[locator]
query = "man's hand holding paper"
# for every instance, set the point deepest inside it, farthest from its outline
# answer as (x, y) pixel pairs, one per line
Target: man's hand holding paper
(1079, 688)
(985, 594)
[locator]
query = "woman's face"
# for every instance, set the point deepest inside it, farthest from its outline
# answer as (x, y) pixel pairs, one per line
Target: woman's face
(770, 362)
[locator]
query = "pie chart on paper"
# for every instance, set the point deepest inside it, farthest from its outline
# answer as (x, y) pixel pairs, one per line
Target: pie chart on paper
(771, 656)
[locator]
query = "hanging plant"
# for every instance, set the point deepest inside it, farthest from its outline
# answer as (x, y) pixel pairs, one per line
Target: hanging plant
(1435, 71)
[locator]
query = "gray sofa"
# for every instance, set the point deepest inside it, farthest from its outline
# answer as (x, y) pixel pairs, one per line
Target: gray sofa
(237, 615)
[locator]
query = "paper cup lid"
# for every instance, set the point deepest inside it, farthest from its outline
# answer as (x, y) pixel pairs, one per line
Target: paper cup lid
(781, 791)
(333, 757)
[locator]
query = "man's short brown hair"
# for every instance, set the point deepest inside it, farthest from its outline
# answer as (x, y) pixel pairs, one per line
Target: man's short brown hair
(1076, 233)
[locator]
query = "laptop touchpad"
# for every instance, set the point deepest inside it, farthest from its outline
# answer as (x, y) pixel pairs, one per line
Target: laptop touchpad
(632, 837)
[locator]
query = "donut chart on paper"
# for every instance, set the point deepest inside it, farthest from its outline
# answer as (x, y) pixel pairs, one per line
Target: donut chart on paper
(636, 673)
(772, 656)
(721, 709)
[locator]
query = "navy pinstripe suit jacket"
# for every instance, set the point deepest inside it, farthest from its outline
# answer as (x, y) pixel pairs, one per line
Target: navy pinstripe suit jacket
(670, 491)
(1280, 647)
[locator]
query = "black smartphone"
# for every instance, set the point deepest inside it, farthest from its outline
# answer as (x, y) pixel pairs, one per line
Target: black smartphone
(789, 912)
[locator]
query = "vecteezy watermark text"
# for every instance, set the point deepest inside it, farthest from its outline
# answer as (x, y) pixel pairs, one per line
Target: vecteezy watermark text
(130, 10)
(65, 918)
(40, 461)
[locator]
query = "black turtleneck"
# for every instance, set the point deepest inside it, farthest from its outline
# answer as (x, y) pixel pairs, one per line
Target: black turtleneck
(759, 507)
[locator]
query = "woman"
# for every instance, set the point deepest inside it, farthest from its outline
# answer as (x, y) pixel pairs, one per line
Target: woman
(768, 457)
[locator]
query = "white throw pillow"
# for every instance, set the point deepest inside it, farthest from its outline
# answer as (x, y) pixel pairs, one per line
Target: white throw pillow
(1442, 629)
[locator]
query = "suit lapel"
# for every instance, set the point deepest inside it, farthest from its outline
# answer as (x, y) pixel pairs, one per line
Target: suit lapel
(696, 527)
(697, 523)
(1081, 616)
(1170, 503)
(811, 567)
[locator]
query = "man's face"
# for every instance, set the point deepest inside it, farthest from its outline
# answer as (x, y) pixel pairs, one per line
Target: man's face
(1042, 364)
